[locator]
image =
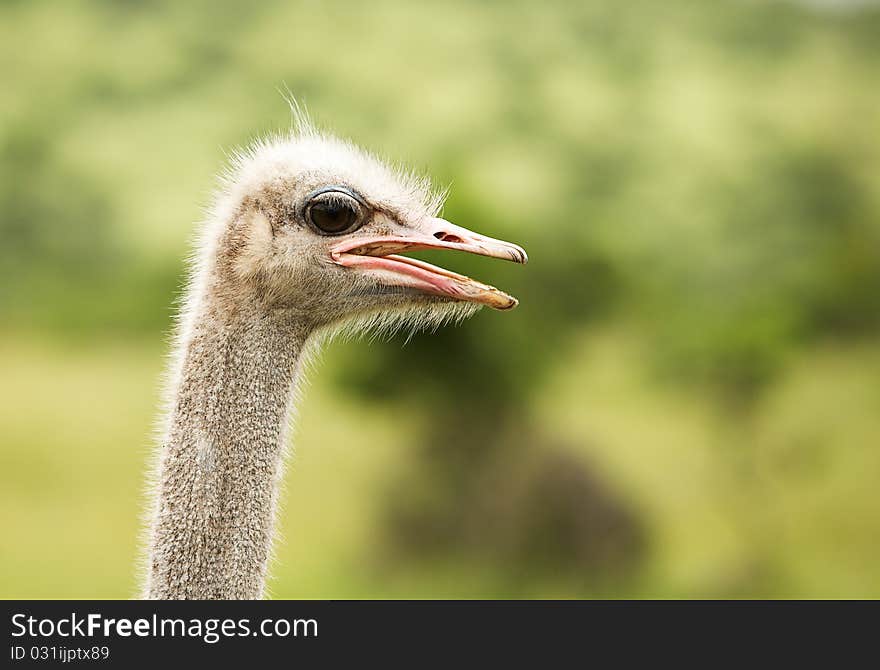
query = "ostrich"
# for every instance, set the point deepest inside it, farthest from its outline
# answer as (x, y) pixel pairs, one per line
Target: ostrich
(302, 241)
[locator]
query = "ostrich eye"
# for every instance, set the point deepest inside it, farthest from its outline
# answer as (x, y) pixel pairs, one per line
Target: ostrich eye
(334, 212)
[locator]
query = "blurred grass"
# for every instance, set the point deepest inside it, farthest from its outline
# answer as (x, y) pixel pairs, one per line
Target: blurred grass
(698, 186)
(803, 524)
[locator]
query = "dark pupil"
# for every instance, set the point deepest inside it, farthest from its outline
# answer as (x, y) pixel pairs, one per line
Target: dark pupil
(332, 216)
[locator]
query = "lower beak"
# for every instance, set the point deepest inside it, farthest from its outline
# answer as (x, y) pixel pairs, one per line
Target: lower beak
(379, 254)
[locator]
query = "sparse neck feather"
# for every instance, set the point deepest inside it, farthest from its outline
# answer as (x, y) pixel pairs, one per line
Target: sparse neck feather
(222, 455)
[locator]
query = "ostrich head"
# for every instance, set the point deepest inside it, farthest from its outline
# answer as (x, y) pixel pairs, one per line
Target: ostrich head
(305, 236)
(313, 226)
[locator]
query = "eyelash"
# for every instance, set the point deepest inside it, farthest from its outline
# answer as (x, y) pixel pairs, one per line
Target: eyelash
(336, 198)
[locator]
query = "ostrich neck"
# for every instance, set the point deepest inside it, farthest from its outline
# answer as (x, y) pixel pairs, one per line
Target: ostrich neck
(222, 457)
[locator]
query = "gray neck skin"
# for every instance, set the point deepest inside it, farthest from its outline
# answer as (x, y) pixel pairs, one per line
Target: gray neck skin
(221, 459)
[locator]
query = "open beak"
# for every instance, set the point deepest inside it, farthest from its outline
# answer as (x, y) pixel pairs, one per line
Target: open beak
(380, 254)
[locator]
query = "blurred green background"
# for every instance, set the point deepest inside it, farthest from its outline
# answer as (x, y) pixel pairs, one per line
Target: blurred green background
(685, 404)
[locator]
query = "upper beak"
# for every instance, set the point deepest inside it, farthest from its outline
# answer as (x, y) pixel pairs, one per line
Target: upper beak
(378, 253)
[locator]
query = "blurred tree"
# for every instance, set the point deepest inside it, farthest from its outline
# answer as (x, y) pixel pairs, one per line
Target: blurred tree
(62, 263)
